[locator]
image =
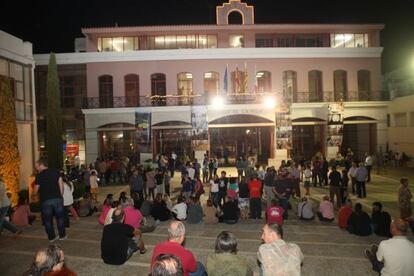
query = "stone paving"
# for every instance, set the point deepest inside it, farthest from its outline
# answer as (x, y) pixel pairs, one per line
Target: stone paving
(328, 250)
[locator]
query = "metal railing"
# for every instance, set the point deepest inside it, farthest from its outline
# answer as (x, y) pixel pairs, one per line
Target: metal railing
(248, 98)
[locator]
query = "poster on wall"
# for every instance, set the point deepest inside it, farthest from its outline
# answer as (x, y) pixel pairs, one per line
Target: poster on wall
(284, 129)
(335, 129)
(199, 129)
(143, 132)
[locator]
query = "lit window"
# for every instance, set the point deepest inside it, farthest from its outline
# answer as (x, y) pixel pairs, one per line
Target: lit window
(128, 43)
(181, 41)
(159, 42)
(170, 42)
(117, 44)
(202, 41)
(99, 44)
(212, 41)
(236, 41)
(106, 44)
(349, 40)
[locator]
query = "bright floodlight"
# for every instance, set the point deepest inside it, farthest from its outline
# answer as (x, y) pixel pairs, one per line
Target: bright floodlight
(269, 102)
(217, 102)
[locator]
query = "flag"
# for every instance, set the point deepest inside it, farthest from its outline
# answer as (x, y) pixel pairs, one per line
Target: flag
(245, 77)
(256, 84)
(226, 87)
(237, 80)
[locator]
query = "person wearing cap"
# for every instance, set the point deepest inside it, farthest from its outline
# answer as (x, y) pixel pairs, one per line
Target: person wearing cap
(393, 256)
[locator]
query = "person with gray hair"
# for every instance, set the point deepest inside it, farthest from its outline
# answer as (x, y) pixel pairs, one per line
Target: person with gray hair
(393, 256)
(173, 246)
(120, 240)
(133, 216)
(167, 265)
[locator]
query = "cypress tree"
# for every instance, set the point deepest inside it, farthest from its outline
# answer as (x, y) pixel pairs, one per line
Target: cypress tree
(9, 151)
(54, 141)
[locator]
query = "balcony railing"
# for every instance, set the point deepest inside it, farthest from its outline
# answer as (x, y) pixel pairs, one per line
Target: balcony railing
(299, 97)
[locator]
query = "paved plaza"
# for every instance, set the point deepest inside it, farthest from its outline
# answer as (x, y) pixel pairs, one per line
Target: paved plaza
(328, 250)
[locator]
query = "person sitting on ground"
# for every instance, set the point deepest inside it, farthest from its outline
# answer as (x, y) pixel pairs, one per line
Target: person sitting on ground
(122, 197)
(179, 211)
(118, 241)
(277, 257)
(176, 237)
(344, 213)
(210, 213)
(49, 261)
(393, 256)
(305, 210)
(168, 201)
(274, 214)
(359, 222)
(86, 206)
(108, 218)
(133, 216)
(105, 208)
(195, 211)
(159, 209)
(22, 216)
(146, 208)
(231, 212)
(381, 220)
(326, 210)
(167, 265)
(225, 261)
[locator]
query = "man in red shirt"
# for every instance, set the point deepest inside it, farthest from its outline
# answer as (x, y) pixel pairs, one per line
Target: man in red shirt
(344, 214)
(274, 214)
(255, 191)
(176, 236)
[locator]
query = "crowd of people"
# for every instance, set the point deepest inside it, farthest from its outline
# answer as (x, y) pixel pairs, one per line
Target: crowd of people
(256, 192)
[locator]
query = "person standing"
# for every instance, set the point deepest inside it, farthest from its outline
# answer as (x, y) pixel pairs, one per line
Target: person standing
(277, 257)
(239, 168)
(68, 200)
(255, 189)
(404, 199)
(223, 183)
(269, 182)
(49, 185)
(369, 160)
(361, 175)
(136, 184)
(324, 171)
(351, 175)
(335, 180)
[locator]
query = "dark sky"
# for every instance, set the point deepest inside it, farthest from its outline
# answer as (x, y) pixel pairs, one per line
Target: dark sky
(52, 25)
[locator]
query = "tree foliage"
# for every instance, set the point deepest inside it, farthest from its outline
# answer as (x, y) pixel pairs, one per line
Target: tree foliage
(9, 151)
(54, 141)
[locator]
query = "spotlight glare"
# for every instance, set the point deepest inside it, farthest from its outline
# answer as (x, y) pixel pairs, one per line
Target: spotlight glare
(217, 102)
(269, 102)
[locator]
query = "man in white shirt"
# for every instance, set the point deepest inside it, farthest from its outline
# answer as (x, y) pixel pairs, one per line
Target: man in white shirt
(179, 211)
(368, 164)
(393, 256)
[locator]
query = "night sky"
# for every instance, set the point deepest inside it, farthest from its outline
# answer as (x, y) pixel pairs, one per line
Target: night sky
(53, 25)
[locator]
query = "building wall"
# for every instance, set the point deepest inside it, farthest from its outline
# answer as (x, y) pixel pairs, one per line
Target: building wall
(401, 137)
(198, 67)
(15, 50)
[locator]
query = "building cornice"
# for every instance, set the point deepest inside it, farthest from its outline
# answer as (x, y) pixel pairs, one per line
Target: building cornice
(200, 54)
(360, 104)
(214, 28)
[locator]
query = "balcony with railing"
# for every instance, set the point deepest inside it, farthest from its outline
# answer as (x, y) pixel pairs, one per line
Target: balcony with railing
(245, 98)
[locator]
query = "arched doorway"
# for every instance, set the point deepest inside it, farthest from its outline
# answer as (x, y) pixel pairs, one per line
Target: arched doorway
(360, 135)
(244, 135)
(235, 17)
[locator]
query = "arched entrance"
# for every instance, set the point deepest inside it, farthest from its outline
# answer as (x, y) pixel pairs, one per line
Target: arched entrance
(360, 135)
(241, 135)
(308, 137)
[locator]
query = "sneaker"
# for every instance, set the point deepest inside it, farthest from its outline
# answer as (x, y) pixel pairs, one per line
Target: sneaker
(53, 240)
(63, 238)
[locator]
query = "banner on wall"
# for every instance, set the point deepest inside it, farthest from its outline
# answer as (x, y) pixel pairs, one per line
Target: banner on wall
(199, 129)
(284, 129)
(335, 128)
(143, 131)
